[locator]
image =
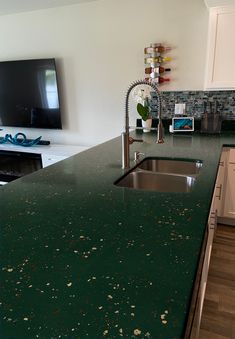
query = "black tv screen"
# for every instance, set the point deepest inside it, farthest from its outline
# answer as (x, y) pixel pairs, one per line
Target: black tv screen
(29, 94)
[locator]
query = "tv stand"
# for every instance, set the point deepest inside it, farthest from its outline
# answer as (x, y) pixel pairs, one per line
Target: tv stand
(14, 165)
(48, 153)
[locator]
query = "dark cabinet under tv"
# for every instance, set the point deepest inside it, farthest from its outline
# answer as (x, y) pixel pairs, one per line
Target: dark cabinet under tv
(15, 164)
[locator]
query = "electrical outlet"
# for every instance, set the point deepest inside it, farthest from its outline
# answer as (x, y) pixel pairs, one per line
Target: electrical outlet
(180, 109)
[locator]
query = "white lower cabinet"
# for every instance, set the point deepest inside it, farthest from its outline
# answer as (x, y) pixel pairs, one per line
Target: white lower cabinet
(225, 188)
(220, 185)
(223, 203)
(201, 281)
(229, 188)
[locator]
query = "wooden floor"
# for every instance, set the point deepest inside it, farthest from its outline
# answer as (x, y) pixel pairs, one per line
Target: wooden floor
(218, 318)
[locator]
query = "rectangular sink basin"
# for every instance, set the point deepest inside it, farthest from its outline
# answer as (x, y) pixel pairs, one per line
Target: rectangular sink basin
(162, 175)
(160, 182)
(174, 166)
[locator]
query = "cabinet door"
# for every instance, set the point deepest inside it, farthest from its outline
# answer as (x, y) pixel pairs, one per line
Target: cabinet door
(229, 203)
(220, 71)
(220, 184)
(202, 275)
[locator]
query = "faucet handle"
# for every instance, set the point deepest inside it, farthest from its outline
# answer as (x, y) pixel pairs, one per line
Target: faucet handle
(131, 140)
(137, 156)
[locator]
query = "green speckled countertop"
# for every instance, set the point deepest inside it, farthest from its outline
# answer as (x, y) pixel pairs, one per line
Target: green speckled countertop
(82, 258)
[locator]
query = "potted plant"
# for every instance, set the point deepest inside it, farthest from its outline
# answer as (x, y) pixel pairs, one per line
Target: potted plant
(143, 108)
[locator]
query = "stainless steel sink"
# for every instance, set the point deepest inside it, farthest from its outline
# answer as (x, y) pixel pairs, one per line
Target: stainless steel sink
(160, 182)
(162, 175)
(183, 167)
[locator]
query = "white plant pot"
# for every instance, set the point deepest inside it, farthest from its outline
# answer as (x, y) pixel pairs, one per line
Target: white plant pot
(147, 125)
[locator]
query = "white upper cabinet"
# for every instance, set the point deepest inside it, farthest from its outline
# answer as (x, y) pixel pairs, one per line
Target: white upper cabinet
(216, 3)
(220, 72)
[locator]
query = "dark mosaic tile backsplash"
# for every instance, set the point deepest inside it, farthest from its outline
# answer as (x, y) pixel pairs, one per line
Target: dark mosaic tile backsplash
(196, 102)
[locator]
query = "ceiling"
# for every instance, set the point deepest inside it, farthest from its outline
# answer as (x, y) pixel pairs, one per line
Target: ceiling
(16, 6)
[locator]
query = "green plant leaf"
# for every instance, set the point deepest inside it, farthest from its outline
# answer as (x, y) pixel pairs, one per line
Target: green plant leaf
(143, 111)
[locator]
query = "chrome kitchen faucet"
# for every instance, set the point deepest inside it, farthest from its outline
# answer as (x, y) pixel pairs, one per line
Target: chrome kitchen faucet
(126, 139)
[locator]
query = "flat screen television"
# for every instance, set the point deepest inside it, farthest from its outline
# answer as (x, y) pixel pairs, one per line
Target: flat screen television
(29, 94)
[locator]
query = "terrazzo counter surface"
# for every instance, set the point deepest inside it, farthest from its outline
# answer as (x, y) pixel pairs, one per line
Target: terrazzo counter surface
(82, 258)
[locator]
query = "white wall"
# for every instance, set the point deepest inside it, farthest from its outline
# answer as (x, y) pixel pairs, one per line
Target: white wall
(99, 51)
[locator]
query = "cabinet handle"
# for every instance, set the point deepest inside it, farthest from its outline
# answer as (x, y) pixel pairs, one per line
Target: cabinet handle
(211, 226)
(221, 163)
(231, 163)
(220, 190)
(212, 220)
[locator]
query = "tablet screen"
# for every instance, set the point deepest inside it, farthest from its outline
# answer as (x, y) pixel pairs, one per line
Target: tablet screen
(183, 124)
